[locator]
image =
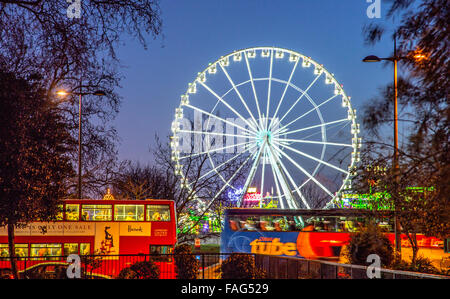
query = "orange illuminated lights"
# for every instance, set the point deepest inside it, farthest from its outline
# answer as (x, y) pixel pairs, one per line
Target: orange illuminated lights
(418, 56)
(62, 93)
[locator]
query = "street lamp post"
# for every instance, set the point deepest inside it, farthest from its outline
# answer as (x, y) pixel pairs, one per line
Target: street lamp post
(394, 59)
(80, 94)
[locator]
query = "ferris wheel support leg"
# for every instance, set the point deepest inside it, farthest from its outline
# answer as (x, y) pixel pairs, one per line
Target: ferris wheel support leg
(290, 199)
(284, 183)
(276, 179)
(251, 175)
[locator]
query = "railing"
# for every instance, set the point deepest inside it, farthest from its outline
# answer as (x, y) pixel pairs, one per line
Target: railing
(110, 266)
(296, 268)
(107, 266)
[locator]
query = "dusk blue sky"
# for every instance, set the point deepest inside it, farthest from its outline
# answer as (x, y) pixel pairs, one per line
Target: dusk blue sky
(197, 32)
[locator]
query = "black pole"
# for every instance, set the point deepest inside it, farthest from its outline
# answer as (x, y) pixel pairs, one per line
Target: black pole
(79, 143)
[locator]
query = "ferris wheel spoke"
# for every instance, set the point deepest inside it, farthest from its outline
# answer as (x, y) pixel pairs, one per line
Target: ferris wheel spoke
(301, 96)
(284, 93)
(262, 178)
(283, 172)
(228, 105)
(216, 134)
(316, 133)
(315, 126)
(269, 89)
(308, 112)
(214, 150)
(312, 158)
(253, 88)
(239, 94)
(276, 179)
(305, 172)
(219, 118)
(286, 142)
(227, 183)
(216, 169)
(251, 174)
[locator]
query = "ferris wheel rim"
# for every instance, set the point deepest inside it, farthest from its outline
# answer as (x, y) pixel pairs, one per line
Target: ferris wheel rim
(299, 56)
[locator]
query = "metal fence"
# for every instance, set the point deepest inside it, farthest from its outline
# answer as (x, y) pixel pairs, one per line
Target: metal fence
(101, 266)
(295, 268)
(107, 266)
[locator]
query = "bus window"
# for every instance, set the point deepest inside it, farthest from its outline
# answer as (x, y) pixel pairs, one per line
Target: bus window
(266, 223)
(352, 225)
(4, 251)
(85, 248)
(20, 249)
(59, 216)
(162, 251)
(45, 250)
(129, 212)
(158, 249)
(96, 212)
(72, 212)
(158, 213)
(70, 248)
(250, 224)
(234, 225)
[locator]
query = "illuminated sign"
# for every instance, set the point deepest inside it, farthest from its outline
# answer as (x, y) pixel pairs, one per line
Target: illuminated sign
(378, 200)
(252, 196)
(251, 190)
(273, 246)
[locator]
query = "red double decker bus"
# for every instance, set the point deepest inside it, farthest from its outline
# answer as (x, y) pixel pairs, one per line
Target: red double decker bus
(109, 228)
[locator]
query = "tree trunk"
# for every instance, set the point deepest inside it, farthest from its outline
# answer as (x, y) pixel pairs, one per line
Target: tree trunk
(12, 251)
(415, 249)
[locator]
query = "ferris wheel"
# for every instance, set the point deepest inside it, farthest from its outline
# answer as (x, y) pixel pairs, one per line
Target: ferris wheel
(281, 117)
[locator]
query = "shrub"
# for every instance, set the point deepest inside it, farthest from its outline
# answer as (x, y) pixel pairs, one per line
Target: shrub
(127, 273)
(241, 266)
(140, 270)
(187, 265)
(422, 265)
(370, 241)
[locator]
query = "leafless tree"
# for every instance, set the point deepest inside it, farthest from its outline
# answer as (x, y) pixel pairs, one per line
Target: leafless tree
(415, 197)
(79, 55)
(205, 186)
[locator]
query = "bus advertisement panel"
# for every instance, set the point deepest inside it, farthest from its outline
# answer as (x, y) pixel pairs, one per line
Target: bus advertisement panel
(311, 234)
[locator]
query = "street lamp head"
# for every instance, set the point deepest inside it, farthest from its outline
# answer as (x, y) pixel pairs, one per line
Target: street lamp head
(62, 93)
(99, 93)
(371, 58)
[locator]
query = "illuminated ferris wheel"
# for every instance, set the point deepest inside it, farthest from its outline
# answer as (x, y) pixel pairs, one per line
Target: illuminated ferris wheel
(282, 115)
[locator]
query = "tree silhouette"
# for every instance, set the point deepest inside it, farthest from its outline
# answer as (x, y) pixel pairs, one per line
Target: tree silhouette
(34, 161)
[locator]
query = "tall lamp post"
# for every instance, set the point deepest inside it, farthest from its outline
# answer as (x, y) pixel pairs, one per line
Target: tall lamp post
(63, 93)
(395, 59)
(417, 56)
